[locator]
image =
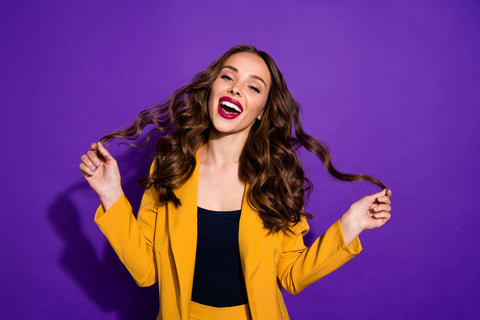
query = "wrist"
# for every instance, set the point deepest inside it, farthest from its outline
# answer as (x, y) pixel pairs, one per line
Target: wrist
(109, 198)
(350, 228)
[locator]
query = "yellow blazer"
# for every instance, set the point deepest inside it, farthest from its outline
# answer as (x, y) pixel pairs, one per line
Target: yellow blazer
(160, 245)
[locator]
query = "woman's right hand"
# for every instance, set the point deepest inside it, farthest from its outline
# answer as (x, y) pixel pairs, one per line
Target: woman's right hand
(100, 170)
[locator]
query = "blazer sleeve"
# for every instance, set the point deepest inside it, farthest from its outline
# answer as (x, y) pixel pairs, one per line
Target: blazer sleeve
(132, 239)
(300, 266)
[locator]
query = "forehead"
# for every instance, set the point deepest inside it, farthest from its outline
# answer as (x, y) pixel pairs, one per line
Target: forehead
(249, 64)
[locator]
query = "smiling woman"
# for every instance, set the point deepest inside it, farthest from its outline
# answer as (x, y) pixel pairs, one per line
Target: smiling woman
(239, 90)
(221, 223)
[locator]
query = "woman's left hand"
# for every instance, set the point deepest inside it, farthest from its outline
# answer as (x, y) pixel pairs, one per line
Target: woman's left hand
(370, 212)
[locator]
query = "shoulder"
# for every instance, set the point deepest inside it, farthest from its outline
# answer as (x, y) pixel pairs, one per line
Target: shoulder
(292, 239)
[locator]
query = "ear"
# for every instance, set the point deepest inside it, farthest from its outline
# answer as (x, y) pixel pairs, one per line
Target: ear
(260, 116)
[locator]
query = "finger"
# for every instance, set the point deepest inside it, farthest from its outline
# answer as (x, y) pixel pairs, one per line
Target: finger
(389, 193)
(85, 170)
(88, 163)
(383, 199)
(93, 157)
(382, 215)
(93, 146)
(374, 196)
(382, 207)
(103, 151)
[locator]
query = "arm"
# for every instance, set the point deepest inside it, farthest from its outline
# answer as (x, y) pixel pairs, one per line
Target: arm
(132, 239)
(300, 266)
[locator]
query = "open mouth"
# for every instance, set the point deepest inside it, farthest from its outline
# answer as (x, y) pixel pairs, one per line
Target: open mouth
(229, 108)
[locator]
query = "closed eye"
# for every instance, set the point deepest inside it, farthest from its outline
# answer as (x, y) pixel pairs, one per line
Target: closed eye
(226, 77)
(255, 89)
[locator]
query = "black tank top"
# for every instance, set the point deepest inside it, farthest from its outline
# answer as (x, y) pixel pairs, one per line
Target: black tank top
(218, 279)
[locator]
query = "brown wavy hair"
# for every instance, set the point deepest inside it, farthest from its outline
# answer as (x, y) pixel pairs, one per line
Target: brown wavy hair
(269, 162)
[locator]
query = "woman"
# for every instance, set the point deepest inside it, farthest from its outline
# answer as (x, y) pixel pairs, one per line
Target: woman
(221, 221)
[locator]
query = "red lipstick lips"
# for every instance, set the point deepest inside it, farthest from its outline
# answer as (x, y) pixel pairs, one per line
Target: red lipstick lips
(229, 108)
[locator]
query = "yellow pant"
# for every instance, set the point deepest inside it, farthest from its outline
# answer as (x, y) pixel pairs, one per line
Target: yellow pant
(203, 312)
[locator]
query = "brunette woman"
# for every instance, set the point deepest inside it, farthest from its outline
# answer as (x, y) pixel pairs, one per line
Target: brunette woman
(222, 219)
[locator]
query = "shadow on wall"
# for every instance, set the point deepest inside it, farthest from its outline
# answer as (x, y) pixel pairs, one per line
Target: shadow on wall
(105, 281)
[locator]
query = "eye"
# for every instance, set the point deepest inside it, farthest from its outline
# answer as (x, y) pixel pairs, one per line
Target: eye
(226, 77)
(255, 89)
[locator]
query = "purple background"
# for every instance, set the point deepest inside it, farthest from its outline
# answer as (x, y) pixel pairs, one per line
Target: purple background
(393, 87)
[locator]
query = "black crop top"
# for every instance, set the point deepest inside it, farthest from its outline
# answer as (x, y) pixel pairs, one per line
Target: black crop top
(218, 279)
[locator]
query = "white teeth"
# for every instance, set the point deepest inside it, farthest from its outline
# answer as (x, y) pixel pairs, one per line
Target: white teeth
(231, 105)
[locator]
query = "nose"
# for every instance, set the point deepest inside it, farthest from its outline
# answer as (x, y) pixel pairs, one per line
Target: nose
(234, 91)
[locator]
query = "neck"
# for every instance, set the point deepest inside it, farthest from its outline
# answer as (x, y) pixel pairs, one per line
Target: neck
(223, 149)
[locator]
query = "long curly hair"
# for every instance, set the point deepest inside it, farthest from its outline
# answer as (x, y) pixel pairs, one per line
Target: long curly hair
(269, 162)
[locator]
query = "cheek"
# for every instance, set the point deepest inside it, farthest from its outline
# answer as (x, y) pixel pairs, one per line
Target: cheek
(216, 87)
(211, 98)
(261, 108)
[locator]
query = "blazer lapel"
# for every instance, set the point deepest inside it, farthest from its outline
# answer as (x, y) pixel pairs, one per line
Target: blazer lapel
(256, 253)
(182, 225)
(251, 237)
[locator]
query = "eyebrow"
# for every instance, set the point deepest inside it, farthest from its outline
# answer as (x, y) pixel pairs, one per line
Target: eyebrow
(251, 76)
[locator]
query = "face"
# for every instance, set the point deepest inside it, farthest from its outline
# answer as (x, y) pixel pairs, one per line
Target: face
(239, 94)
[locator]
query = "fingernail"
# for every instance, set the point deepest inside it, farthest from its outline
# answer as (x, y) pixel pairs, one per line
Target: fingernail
(377, 215)
(376, 209)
